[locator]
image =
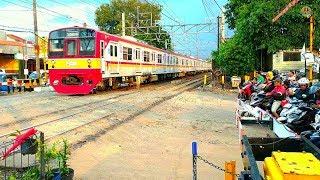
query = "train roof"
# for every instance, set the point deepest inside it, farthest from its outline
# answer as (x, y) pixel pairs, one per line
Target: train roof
(134, 41)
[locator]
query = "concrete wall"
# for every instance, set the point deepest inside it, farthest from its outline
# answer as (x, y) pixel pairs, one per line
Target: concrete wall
(284, 66)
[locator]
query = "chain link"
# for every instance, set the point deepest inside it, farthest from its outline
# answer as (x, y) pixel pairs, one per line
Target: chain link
(215, 166)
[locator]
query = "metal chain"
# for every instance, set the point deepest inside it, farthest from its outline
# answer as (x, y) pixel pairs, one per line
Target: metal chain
(195, 173)
(215, 166)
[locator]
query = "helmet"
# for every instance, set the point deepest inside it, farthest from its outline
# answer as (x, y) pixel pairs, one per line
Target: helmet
(303, 81)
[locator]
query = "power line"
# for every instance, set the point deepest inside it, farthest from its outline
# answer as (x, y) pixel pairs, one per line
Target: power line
(16, 4)
(18, 10)
(218, 5)
(63, 4)
(20, 28)
(22, 31)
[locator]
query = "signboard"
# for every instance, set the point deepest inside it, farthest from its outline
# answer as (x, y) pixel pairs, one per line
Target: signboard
(72, 33)
(18, 56)
(306, 11)
(25, 71)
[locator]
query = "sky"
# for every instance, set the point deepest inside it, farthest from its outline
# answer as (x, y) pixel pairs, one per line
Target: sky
(53, 14)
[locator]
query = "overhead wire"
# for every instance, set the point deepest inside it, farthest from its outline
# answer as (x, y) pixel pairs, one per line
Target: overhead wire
(218, 5)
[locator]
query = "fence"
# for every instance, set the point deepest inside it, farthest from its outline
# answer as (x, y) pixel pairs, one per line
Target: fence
(229, 170)
(20, 155)
(19, 85)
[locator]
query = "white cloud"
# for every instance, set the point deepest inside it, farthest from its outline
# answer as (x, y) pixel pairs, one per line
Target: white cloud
(15, 16)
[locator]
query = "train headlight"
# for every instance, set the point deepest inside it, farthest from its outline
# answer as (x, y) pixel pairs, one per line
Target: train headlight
(53, 62)
(55, 82)
(89, 63)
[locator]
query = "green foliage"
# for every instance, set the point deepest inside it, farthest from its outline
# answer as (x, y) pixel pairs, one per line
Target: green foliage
(233, 58)
(62, 157)
(254, 31)
(108, 17)
(31, 173)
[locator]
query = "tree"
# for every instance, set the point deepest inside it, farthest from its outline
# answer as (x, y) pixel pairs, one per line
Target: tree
(255, 32)
(108, 17)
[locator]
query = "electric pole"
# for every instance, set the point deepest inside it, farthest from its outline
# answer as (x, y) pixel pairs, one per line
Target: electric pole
(123, 24)
(218, 35)
(36, 43)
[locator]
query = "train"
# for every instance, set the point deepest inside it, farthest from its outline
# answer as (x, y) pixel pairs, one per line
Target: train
(82, 60)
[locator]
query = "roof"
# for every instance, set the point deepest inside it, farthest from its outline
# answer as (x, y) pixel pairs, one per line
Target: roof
(126, 39)
(16, 38)
(11, 43)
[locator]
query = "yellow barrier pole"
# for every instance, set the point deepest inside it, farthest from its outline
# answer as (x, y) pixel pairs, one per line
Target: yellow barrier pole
(222, 81)
(246, 78)
(310, 74)
(204, 80)
(230, 172)
(138, 81)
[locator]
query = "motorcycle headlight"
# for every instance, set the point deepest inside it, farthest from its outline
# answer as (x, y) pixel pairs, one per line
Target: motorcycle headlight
(55, 82)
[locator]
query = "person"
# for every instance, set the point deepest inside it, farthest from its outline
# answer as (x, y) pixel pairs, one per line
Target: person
(302, 92)
(260, 78)
(278, 93)
(316, 100)
(287, 84)
(291, 76)
(269, 82)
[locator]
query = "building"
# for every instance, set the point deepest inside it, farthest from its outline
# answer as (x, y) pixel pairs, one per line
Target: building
(285, 61)
(17, 54)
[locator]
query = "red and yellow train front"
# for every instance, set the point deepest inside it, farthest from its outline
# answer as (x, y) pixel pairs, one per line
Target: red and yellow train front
(74, 66)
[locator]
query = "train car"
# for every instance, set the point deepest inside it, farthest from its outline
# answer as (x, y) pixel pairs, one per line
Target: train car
(83, 59)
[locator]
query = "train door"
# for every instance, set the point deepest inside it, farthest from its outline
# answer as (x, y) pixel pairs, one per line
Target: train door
(103, 55)
(120, 58)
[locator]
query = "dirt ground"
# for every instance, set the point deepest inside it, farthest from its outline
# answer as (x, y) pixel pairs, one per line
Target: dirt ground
(157, 144)
(128, 134)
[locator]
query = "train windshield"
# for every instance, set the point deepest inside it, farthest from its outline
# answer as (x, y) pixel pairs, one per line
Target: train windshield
(72, 42)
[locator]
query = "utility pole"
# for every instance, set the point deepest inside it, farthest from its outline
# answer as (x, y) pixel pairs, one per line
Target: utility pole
(218, 35)
(36, 43)
(123, 24)
(311, 33)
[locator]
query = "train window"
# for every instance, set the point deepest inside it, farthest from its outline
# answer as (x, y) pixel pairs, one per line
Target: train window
(159, 58)
(87, 46)
(153, 57)
(146, 57)
(129, 53)
(71, 47)
(102, 49)
(138, 54)
(125, 53)
(111, 50)
(115, 51)
(168, 59)
(177, 62)
(56, 47)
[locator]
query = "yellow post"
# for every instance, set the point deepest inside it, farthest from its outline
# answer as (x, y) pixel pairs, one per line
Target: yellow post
(222, 81)
(246, 78)
(230, 172)
(138, 81)
(255, 74)
(311, 32)
(204, 80)
(310, 74)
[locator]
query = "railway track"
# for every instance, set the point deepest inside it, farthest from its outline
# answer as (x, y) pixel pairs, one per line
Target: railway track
(75, 119)
(105, 123)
